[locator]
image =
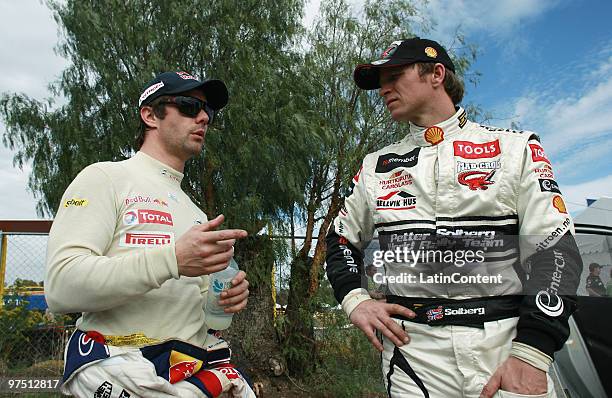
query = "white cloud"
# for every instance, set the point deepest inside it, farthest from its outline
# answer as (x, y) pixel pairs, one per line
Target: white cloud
(497, 18)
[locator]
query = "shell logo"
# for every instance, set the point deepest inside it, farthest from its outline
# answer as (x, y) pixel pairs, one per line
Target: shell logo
(431, 52)
(559, 204)
(434, 135)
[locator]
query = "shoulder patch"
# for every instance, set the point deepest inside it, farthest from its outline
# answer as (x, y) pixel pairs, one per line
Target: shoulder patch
(390, 161)
(500, 129)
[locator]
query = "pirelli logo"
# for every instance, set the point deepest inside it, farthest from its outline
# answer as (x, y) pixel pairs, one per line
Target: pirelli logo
(146, 239)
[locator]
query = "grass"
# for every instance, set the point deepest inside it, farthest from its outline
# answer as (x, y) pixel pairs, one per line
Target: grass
(350, 365)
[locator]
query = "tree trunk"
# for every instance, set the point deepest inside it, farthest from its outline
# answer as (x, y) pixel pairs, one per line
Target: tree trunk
(299, 343)
(252, 335)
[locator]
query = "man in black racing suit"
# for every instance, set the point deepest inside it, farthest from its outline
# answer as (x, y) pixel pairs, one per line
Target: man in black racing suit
(487, 325)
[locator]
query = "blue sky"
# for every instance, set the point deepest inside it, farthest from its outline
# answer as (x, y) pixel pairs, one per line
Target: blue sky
(545, 64)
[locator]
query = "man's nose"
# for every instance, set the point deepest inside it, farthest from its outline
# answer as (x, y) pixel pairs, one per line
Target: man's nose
(202, 117)
(384, 89)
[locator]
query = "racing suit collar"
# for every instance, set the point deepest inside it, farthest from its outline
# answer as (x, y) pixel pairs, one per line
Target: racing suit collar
(169, 174)
(433, 135)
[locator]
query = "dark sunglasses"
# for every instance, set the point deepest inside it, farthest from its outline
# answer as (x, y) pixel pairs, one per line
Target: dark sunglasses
(191, 107)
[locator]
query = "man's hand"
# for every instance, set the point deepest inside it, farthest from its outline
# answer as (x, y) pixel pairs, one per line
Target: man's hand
(372, 315)
(236, 298)
(202, 250)
(518, 377)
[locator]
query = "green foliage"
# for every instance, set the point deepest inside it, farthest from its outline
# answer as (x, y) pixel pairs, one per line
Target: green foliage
(115, 47)
(349, 365)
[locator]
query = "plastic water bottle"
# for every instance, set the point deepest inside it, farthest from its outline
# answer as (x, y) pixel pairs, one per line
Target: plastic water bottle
(214, 316)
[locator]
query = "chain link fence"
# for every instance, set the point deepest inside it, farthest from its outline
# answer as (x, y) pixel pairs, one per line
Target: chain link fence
(32, 339)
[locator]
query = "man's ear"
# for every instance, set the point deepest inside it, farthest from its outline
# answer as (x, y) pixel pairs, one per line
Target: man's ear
(148, 117)
(437, 77)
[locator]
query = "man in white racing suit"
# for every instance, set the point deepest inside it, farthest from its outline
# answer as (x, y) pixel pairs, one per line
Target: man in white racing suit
(131, 251)
(486, 315)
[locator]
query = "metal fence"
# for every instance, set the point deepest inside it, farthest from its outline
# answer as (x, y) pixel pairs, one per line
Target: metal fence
(32, 340)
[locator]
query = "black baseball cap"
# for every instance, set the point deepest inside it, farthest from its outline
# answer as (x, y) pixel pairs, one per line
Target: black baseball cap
(401, 52)
(168, 83)
(592, 266)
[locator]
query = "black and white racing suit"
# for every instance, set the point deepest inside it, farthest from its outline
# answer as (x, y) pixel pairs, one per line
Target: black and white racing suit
(492, 190)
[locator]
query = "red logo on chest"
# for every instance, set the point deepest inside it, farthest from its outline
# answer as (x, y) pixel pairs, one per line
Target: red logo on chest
(471, 150)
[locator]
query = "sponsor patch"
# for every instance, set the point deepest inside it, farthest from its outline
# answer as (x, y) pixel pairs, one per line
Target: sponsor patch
(145, 216)
(348, 255)
(477, 179)
(391, 161)
(397, 180)
(467, 166)
(537, 154)
(396, 200)
(548, 185)
(434, 135)
(144, 199)
(74, 202)
(544, 172)
(104, 391)
(495, 129)
(552, 237)
(559, 204)
(182, 366)
(343, 211)
(431, 52)
(471, 150)
(548, 303)
(462, 119)
(169, 175)
(390, 50)
(185, 75)
(146, 239)
(150, 91)
(435, 314)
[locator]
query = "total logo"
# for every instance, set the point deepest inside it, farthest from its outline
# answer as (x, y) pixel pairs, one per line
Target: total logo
(146, 239)
(145, 216)
(396, 200)
(470, 150)
(476, 180)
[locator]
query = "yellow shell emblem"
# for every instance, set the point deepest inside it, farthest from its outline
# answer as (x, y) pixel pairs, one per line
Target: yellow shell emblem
(431, 52)
(434, 135)
(559, 204)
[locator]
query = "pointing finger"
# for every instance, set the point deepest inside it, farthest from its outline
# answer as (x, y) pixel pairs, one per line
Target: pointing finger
(212, 224)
